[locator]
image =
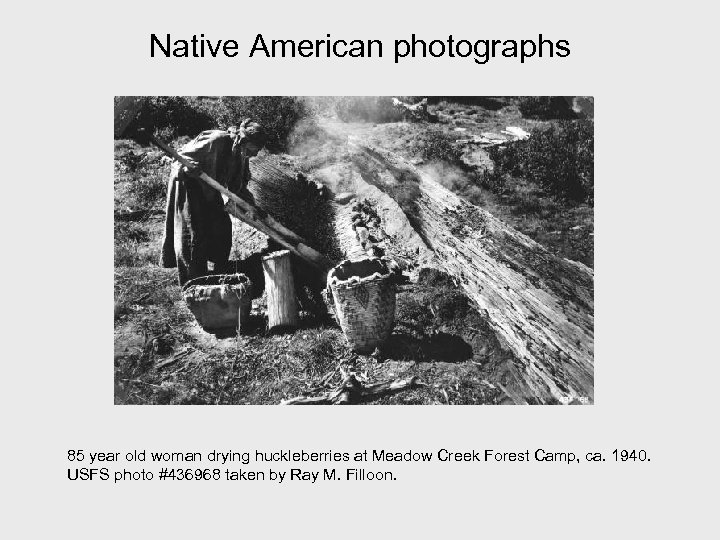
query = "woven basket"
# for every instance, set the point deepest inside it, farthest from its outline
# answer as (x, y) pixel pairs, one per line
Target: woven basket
(219, 302)
(363, 292)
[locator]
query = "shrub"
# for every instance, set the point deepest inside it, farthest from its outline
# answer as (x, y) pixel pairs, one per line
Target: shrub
(277, 114)
(434, 145)
(560, 159)
(129, 161)
(367, 109)
(486, 102)
(176, 116)
(546, 107)
(149, 190)
(170, 117)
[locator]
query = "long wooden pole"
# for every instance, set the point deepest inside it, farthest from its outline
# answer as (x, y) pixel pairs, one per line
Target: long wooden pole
(256, 217)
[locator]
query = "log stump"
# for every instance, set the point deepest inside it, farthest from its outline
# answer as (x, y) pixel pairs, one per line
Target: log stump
(280, 288)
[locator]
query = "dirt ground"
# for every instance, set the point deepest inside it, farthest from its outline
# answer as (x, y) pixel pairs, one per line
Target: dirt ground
(162, 356)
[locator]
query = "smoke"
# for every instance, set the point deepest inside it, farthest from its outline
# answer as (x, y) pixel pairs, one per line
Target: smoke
(454, 179)
(311, 138)
(319, 144)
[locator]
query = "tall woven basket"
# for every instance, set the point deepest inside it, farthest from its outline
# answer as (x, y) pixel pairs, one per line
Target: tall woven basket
(363, 292)
(219, 302)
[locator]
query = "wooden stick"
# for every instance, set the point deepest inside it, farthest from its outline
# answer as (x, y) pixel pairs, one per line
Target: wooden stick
(352, 391)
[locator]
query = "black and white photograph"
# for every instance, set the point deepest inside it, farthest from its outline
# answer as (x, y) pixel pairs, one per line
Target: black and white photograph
(392, 250)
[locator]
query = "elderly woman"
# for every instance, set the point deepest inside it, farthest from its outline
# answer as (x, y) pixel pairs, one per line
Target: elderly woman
(197, 229)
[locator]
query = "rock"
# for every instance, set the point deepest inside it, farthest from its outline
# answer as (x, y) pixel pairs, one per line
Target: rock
(516, 133)
(344, 198)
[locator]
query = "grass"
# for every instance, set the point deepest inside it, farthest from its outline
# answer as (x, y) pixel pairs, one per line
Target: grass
(140, 184)
(256, 369)
(132, 244)
(566, 228)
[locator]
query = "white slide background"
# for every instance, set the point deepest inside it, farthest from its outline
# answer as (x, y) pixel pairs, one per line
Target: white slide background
(650, 69)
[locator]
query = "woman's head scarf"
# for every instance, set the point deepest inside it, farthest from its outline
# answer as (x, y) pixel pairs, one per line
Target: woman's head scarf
(247, 131)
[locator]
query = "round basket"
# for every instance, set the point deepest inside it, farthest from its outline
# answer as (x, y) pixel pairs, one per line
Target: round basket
(219, 302)
(363, 292)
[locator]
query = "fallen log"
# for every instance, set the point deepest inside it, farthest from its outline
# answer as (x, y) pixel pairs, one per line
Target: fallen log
(538, 304)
